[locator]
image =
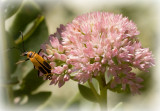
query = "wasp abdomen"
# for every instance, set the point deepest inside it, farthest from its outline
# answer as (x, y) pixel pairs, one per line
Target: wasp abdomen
(45, 67)
(42, 70)
(46, 64)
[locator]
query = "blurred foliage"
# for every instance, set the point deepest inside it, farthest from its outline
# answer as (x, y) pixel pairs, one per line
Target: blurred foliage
(24, 84)
(23, 80)
(10, 8)
(27, 9)
(35, 100)
(30, 83)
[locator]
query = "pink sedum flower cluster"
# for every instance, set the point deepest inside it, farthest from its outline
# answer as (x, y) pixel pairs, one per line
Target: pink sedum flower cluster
(96, 43)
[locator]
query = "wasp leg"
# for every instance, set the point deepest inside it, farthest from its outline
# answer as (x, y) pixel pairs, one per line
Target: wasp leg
(51, 57)
(44, 56)
(39, 51)
(27, 59)
(39, 74)
(45, 76)
(48, 76)
(47, 57)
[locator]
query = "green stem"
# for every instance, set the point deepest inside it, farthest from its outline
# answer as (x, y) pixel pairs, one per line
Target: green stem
(30, 32)
(103, 93)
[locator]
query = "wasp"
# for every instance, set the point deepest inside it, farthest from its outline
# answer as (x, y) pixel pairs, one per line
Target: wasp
(38, 61)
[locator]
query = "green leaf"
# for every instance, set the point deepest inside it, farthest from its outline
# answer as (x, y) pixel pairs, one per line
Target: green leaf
(11, 55)
(30, 83)
(87, 93)
(39, 36)
(26, 14)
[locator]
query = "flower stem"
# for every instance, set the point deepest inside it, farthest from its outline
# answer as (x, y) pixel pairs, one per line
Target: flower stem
(102, 97)
(103, 93)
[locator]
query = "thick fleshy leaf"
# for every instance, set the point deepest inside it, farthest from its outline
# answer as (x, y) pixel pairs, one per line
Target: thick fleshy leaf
(87, 93)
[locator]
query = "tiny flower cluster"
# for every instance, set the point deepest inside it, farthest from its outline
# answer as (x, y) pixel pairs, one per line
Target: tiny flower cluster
(55, 53)
(94, 43)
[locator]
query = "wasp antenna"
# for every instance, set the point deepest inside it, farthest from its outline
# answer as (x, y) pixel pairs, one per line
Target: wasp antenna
(20, 61)
(22, 42)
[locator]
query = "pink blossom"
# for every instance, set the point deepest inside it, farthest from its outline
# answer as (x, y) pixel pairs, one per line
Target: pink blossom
(66, 77)
(57, 70)
(97, 42)
(54, 41)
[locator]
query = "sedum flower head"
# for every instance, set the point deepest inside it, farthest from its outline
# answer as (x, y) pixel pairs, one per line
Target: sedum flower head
(96, 43)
